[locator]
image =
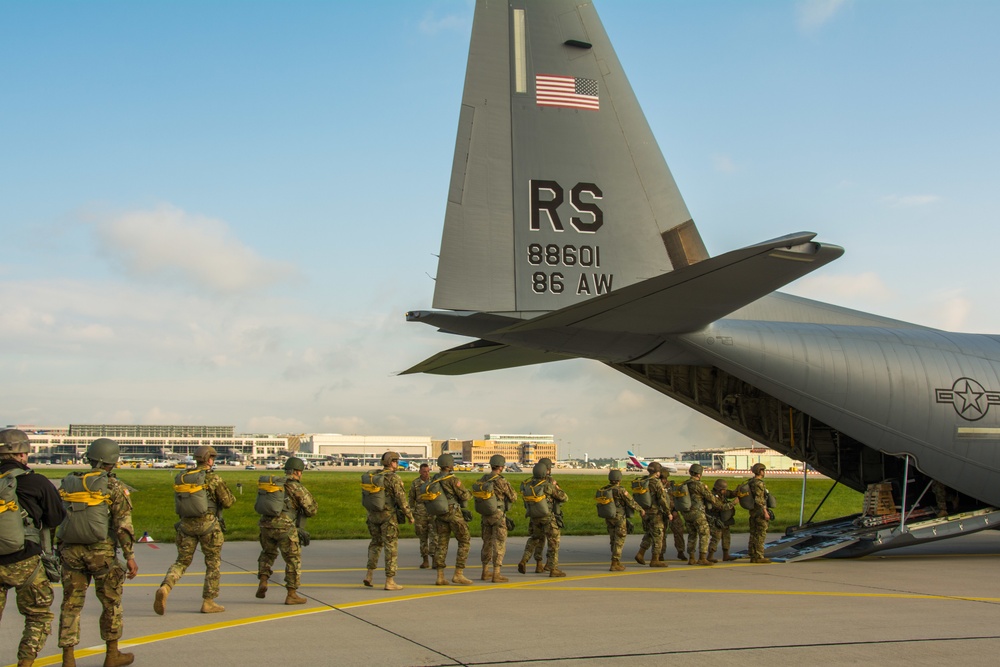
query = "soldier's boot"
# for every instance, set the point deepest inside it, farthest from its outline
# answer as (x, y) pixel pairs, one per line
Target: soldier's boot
(291, 597)
(210, 606)
(426, 564)
(115, 658)
(539, 567)
(556, 572)
(367, 581)
(459, 578)
(441, 581)
(712, 559)
(681, 555)
(25, 662)
(640, 557)
(657, 561)
(522, 565)
(497, 577)
(760, 560)
(616, 565)
(160, 599)
(69, 656)
(487, 575)
(702, 560)
(261, 587)
(691, 559)
(391, 585)
(726, 556)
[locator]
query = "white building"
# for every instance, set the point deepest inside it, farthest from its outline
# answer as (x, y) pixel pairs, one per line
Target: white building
(364, 450)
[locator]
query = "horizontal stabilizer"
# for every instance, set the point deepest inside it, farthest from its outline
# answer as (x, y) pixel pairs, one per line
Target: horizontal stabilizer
(690, 298)
(480, 356)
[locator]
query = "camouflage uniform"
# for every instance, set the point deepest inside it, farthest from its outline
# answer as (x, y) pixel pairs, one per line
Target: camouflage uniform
(452, 522)
(83, 562)
(204, 530)
(720, 518)
(546, 530)
(423, 523)
(759, 518)
(697, 523)
(538, 545)
(383, 526)
(652, 523)
(617, 528)
(280, 533)
(495, 525)
(679, 530)
(22, 570)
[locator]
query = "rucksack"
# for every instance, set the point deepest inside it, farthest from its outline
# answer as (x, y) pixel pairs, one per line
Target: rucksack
(373, 490)
(270, 500)
(744, 495)
(487, 503)
(641, 494)
(431, 494)
(12, 517)
(606, 507)
(87, 502)
(191, 500)
(681, 497)
(536, 505)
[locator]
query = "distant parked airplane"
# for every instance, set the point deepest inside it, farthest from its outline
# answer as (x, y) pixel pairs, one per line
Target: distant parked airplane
(636, 463)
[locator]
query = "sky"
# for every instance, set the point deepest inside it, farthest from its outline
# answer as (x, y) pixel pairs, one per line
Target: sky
(219, 212)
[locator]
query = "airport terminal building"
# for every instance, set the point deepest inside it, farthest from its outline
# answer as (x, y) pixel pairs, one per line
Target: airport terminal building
(364, 450)
(522, 448)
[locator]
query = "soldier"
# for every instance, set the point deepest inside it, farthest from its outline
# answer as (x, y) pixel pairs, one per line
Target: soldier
(383, 525)
(423, 523)
(87, 556)
(617, 530)
(543, 528)
(720, 518)
(697, 523)
(652, 522)
(759, 516)
(281, 533)
(537, 546)
(21, 565)
(495, 525)
(677, 529)
(200, 495)
(452, 522)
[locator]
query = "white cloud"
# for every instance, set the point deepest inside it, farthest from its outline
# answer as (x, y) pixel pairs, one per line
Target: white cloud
(905, 201)
(168, 243)
(723, 163)
(813, 14)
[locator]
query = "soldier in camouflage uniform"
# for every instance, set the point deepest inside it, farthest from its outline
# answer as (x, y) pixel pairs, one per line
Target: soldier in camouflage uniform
(677, 529)
(720, 518)
(697, 522)
(652, 522)
(423, 523)
(82, 563)
(453, 522)
(760, 515)
(617, 528)
(22, 570)
(495, 525)
(205, 530)
(281, 533)
(545, 529)
(383, 525)
(538, 546)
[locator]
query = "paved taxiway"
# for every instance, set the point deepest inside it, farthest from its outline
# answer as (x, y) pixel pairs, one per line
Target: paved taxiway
(934, 604)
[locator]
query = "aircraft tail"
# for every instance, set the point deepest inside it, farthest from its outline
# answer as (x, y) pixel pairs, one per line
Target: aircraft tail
(635, 461)
(559, 191)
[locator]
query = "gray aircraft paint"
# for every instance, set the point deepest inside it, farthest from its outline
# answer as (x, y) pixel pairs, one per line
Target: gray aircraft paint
(847, 391)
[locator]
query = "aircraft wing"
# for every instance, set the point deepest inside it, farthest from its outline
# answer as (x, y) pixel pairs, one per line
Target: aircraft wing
(693, 297)
(482, 355)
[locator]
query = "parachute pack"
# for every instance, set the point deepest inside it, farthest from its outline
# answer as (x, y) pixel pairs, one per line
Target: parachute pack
(681, 497)
(486, 501)
(12, 518)
(536, 503)
(743, 495)
(87, 502)
(605, 497)
(373, 490)
(190, 497)
(270, 500)
(432, 495)
(640, 492)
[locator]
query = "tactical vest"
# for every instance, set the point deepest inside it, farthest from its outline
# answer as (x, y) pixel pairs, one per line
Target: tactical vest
(373, 490)
(536, 503)
(641, 493)
(605, 497)
(682, 497)
(87, 502)
(431, 494)
(191, 498)
(12, 518)
(486, 501)
(271, 499)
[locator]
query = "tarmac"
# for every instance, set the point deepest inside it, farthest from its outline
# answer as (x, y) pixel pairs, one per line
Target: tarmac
(932, 604)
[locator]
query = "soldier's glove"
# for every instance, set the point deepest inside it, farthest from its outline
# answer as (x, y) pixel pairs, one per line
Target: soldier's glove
(467, 514)
(222, 524)
(304, 537)
(560, 522)
(629, 528)
(509, 522)
(400, 516)
(770, 515)
(53, 567)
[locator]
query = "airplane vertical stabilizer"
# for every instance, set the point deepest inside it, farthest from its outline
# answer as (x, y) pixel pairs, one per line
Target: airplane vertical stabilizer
(559, 191)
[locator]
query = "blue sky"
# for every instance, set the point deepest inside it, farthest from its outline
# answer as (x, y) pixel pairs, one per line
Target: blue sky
(219, 212)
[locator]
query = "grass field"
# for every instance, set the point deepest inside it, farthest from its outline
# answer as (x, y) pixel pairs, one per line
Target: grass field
(342, 517)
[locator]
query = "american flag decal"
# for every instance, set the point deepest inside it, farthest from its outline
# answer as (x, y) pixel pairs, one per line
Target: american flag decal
(552, 90)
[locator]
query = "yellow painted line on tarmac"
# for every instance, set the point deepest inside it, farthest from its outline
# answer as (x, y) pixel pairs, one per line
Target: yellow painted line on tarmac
(752, 591)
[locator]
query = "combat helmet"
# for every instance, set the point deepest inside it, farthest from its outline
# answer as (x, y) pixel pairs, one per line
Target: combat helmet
(294, 463)
(497, 461)
(757, 467)
(388, 458)
(654, 467)
(720, 485)
(13, 441)
(547, 462)
(615, 475)
(204, 452)
(446, 461)
(540, 471)
(103, 451)
(696, 469)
